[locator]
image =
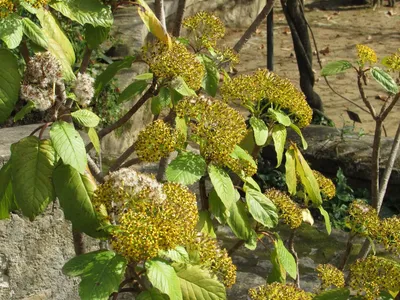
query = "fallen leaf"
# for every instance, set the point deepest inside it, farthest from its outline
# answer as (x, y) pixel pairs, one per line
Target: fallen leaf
(324, 51)
(262, 46)
(286, 30)
(381, 97)
(258, 31)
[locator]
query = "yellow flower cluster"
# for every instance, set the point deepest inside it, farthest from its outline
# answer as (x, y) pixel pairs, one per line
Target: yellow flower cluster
(374, 274)
(264, 85)
(291, 213)
(227, 55)
(215, 126)
(366, 55)
(278, 291)
(325, 185)
(157, 140)
(169, 63)
(393, 61)
(149, 217)
(6, 8)
(330, 276)
(364, 220)
(214, 258)
(206, 28)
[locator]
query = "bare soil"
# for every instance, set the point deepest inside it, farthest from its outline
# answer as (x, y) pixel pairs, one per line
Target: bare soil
(337, 28)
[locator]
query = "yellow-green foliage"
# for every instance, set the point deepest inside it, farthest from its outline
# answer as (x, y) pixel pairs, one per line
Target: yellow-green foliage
(278, 291)
(330, 276)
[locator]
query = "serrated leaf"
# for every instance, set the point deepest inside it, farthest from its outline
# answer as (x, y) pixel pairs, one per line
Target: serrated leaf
(161, 101)
(32, 163)
(108, 74)
(179, 85)
(239, 221)
(179, 254)
(279, 136)
(205, 224)
(286, 259)
(85, 118)
(75, 192)
(85, 12)
(186, 168)
(278, 272)
(101, 273)
(290, 171)
(7, 199)
(94, 138)
(217, 207)
(336, 67)
(260, 130)
(95, 35)
(144, 76)
(385, 80)
(134, 89)
(298, 131)
(222, 184)
(211, 77)
(34, 33)
(327, 220)
(24, 111)
(261, 208)
(152, 294)
(11, 31)
(163, 277)
(280, 117)
(334, 294)
(307, 177)
(197, 283)
(9, 83)
(152, 23)
(58, 43)
(69, 145)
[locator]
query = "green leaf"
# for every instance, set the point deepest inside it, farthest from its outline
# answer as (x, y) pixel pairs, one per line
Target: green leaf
(134, 89)
(24, 111)
(108, 74)
(180, 124)
(179, 254)
(251, 183)
(286, 259)
(152, 294)
(58, 43)
(385, 80)
(9, 83)
(280, 117)
(101, 273)
(336, 67)
(217, 207)
(205, 224)
(279, 136)
(278, 272)
(261, 208)
(11, 31)
(85, 12)
(327, 220)
(211, 77)
(74, 191)
(298, 131)
(175, 96)
(69, 145)
(162, 100)
(197, 283)
(242, 154)
(239, 221)
(95, 35)
(179, 85)
(186, 168)
(34, 33)
(222, 184)
(290, 174)
(85, 118)
(260, 130)
(32, 163)
(94, 138)
(7, 199)
(163, 277)
(144, 76)
(334, 294)
(307, 177)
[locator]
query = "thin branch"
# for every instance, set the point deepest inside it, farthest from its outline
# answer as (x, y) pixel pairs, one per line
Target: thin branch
(376, 149)
(253, 27)
(23, 49)
(85, 60)
(385, 113)
(79, 246)
(235, 247)
(364, 97)
(37, 129)
(124, 156)
(131, 162)
(203, 193)
(347, 252)
(294, 253)
(180, 12)
(94, 169)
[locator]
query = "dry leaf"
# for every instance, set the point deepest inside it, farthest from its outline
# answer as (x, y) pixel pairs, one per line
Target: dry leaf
(286, 30)
(262, 46)
(325, 51)
(381, 97)
(258, 31)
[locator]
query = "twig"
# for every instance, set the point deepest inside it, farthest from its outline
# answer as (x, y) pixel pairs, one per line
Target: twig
(238, 244)
(347, 252)
(37, 129)
(294, 253)
(94, 169)
(124, 156)
(85, 60)
(131, 162)
(203, 193)
(364, 97)
(23, 48)
(44, 127)
(180, 12)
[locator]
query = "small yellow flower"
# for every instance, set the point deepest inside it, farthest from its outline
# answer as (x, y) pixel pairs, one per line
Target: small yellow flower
(366, 55)
(290, 212)
(363, 219)
(330, 276)
(6, 8)
(279, 291)
(228, 55)
(325, 185)
(393, 61)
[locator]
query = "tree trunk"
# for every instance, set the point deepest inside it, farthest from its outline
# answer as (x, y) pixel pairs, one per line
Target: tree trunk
(302, 47)
(180, 11)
